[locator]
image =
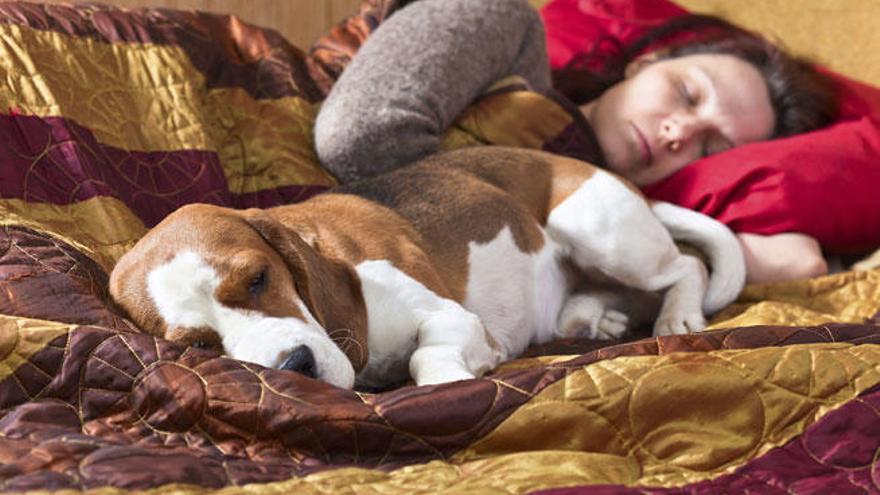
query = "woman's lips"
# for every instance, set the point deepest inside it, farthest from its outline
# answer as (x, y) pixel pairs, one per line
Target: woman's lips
(647, 156)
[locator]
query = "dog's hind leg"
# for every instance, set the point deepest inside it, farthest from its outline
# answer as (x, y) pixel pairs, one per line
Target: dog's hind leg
(607, 226)
(717, 242)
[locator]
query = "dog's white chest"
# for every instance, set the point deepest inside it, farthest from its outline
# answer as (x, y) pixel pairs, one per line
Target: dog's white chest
(517, 295)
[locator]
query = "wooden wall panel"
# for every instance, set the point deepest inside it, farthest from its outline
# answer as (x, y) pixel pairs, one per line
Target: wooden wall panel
(300, 21)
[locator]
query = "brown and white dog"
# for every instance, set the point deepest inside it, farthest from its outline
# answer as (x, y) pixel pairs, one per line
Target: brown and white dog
(436, 271)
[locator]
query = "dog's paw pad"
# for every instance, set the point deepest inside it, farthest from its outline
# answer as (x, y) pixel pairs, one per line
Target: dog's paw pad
(679, 324)
(612, 325)
(587, 316)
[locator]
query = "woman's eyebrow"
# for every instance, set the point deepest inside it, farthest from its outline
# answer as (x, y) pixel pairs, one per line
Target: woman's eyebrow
(710, 83)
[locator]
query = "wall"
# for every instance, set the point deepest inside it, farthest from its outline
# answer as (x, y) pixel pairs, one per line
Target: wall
(840, 34)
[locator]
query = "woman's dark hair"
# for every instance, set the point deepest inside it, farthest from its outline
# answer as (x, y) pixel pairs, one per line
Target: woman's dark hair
(803, 99)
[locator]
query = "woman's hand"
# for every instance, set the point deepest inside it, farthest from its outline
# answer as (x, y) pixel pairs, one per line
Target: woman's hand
(780, 257)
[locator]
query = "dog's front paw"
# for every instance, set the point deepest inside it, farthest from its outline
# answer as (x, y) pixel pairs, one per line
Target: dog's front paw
(678, 323)
(430, 365)
(585, 315)
(453, 345)
(443, 375)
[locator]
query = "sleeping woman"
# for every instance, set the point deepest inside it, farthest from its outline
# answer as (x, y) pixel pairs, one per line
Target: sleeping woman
(651, 112)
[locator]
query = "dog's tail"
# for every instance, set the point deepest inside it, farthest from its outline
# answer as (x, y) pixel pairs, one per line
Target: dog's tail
(727, 265)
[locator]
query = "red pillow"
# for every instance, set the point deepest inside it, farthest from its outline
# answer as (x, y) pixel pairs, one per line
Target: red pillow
(574, 26)
(824, 183)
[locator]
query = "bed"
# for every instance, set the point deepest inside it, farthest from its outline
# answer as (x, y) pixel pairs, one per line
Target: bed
(110, 119)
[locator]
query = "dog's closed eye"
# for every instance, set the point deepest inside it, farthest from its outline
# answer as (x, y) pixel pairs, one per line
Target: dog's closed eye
(258, 283)
(201, 344)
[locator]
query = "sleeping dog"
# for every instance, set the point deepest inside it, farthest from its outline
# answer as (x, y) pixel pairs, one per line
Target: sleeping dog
(437, 271)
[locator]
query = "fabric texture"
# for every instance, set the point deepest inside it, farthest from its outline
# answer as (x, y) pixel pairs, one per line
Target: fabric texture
(112, 118)
(821, 184)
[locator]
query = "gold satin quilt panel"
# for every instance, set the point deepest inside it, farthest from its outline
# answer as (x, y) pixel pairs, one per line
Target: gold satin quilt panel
(111, 119)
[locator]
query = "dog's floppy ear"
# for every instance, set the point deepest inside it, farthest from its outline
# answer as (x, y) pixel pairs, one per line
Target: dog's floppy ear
(128, 290)
(329, 288)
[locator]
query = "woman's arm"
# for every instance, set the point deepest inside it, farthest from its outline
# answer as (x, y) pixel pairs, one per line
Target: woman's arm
(779, 257)
(417, 72)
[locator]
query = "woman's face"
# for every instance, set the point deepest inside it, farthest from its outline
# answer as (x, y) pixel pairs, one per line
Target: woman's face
(668, 113)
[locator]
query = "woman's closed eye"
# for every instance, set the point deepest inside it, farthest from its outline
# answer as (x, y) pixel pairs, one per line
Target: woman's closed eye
(692, 100)
(687, 94)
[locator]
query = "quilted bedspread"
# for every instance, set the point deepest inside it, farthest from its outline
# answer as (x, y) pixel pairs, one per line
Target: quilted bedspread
(110, 119)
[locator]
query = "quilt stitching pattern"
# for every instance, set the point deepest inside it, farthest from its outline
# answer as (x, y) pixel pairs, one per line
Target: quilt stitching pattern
(783, 394)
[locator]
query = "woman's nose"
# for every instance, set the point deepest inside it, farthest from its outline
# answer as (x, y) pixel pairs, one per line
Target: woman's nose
(676, 131)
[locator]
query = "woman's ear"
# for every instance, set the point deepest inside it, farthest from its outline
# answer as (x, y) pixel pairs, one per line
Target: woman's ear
(639, 63)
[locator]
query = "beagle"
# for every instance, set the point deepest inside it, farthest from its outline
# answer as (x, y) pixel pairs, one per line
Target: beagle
(436, 271)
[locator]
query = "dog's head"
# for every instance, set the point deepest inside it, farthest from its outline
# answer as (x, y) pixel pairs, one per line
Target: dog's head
(243, 282)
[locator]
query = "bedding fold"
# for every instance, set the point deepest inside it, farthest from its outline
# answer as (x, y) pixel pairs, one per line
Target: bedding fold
(112, 118)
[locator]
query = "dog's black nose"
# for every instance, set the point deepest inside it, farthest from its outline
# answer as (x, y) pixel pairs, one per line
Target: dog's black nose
(302, 361)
